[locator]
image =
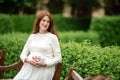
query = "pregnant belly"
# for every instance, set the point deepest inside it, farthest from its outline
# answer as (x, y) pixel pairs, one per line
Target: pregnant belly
(40, 57)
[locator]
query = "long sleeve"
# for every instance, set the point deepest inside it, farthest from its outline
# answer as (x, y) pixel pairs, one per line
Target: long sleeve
(25, 50)
(56, 52)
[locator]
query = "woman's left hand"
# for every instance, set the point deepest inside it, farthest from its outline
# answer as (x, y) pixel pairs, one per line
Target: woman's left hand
(40, 64)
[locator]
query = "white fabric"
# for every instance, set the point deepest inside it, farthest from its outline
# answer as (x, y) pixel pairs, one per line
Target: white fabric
(47, 47)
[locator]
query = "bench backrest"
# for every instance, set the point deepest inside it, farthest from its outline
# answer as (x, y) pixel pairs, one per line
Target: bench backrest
(2, 57)
(73, 75)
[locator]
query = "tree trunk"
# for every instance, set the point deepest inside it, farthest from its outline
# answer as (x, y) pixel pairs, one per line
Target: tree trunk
(67, 10)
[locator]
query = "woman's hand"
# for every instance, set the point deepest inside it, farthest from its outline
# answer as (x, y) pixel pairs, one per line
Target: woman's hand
(35, 63)
(32, 62)
(40, 64)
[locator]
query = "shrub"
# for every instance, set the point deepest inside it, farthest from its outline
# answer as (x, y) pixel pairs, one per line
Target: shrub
(23, 23)
(108, 29)
(6, 24)
(12, 44)
(68, 24)
(88, 59)
(79, 36)
(91, 60)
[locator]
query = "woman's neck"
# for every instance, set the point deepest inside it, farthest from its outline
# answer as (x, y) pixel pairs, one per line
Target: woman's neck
(43, 32)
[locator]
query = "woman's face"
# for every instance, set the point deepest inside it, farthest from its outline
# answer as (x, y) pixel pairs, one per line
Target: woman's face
(44, 24)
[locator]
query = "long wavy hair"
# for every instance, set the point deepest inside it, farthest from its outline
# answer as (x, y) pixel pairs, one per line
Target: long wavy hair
(39, 16)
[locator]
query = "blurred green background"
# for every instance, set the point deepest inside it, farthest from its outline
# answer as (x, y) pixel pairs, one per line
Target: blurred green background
(89, 33)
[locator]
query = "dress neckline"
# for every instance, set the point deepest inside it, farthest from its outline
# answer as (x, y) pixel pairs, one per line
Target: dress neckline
(43, 33)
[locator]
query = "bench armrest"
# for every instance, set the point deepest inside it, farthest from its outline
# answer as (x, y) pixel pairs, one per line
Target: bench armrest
(13, 66)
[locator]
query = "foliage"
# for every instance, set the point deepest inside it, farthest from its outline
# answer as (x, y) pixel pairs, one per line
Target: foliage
(85, 3)
(6, 24)
(12, 44)
(108, 29)
(52, 6)
(13, 6)
(79, 36)
(24, 23)
(67, 24)
(83, 7)
(112, 7)
(9, 23)
(91, 60)
(86, 58)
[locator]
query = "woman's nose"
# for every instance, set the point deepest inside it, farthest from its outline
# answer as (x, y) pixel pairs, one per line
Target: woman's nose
(45, 23)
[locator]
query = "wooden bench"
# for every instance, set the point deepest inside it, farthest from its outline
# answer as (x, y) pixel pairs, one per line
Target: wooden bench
(73, 75)
(19, 64)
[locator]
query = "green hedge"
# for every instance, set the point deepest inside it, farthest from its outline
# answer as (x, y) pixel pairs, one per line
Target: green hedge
(108, 28)
(24, 23)
(12, 44)
(6, 24)
(79, 36)
(88, 59)
(91, 60)
(67, 24)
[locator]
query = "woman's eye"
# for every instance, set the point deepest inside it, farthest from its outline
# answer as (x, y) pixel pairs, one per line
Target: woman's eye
(43, 20)
(48, 21)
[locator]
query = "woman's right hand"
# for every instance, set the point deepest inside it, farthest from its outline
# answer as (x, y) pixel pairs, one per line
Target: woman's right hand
(32, 62)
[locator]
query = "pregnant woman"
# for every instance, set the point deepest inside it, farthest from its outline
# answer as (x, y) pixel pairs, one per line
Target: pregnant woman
(42, 50)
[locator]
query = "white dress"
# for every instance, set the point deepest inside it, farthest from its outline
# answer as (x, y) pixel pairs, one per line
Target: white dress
(47, 47)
